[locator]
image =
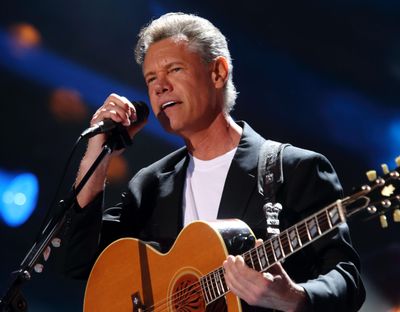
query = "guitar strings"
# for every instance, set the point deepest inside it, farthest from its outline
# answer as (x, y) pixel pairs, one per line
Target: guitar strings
(303, 233)
(174, 299)
(196, 288)
(269, 249)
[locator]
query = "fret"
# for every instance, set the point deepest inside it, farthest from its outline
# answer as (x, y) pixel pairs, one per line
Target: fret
(205, 289)
(328, 218)
(334, 215)
(221, 279)
(212, 287)
(280, 245)
(289, 243)
(318, 226)
(286, 248)
(247, 259)
(293, 238)
(262, 255)
(258, 263)
(304, 233)
(223, 283)
(312, 228)
(216, 286)
(252, 262)
(323, 222)
(272, 252)
(276, 244)
(298, 236)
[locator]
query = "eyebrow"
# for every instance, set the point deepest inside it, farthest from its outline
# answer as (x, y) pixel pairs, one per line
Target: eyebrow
(168, 66)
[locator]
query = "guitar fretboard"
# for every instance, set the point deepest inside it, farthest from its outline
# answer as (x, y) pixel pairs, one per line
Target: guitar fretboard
(276, 249)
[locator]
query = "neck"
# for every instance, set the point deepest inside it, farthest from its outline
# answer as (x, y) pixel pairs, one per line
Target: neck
(221, 136)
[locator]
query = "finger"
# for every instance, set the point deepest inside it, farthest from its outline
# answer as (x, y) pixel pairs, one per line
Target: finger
(277, 269)
(259, 242)
(46, 253)
(121, 111)
(107, 113)
(279, 274)
(121, 107)
(239, 277)
(127, 106)
(269, 277)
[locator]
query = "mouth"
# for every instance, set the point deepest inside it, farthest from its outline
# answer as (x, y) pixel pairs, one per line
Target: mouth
(168, 104)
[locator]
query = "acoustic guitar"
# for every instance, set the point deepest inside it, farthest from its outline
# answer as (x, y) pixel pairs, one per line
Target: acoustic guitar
(130, 275)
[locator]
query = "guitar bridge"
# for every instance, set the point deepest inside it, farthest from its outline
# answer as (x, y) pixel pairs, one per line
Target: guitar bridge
(138, 306)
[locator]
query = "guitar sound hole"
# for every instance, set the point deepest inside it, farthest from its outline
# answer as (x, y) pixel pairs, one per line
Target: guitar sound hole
(187, 295)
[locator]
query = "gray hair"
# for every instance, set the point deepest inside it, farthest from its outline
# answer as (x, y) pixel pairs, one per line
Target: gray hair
(201, 34)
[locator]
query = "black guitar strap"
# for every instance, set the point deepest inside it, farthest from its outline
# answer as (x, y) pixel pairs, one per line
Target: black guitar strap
(269, 179)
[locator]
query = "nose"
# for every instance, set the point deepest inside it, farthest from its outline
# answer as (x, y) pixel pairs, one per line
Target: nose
(163, 85)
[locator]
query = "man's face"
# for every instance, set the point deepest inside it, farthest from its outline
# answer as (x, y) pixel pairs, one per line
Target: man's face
(182, 93)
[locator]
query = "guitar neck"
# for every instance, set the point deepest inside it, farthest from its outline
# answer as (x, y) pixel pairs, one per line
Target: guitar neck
(277, 248)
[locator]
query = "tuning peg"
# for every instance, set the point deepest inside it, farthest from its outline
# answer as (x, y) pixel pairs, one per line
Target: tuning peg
(383, 220)
(371, 175)
(386, 203)
(372, 209)
(38, 268)
(385, 168)
(56, 242)
(396, 215)
(397, 160)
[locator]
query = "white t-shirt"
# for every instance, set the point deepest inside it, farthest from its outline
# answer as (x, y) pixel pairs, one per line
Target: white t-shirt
(205, 180)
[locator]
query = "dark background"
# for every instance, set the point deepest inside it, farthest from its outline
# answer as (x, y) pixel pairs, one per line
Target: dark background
(323, 75)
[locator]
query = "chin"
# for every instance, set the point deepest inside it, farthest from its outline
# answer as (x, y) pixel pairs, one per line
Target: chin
(168, 127)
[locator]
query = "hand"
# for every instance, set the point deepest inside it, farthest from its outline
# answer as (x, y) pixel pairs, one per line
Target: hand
(119, 109)
(273, 289)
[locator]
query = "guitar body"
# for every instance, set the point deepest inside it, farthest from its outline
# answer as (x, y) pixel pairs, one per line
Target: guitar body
(132, 276)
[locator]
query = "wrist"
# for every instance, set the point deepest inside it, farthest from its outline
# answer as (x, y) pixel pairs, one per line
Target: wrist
(300, 299)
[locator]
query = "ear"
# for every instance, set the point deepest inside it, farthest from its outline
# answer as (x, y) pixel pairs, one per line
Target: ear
(220, 72)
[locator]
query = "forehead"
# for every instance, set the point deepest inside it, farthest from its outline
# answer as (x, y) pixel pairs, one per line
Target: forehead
(169, 50)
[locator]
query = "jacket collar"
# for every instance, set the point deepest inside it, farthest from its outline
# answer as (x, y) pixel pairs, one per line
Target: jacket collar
(240, 184)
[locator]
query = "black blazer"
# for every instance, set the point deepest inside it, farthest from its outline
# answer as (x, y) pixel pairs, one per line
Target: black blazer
(151, 209)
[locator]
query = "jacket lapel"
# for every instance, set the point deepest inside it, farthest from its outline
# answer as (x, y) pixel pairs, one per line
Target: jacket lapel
(241, 181)
(169, 205)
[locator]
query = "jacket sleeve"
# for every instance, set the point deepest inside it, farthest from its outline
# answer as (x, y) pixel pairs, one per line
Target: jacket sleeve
(90, 229)
(80, 240)
(330, 266)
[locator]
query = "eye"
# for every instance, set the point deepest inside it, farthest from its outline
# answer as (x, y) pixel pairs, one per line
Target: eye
(150, 79)
(175, 69)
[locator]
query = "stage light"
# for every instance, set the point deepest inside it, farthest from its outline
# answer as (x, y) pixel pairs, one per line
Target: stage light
(118, 169)
(67, 105)
(25, 35)
(18, 197)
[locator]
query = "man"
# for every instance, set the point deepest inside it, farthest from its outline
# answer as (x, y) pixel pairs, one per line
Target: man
(188, 71)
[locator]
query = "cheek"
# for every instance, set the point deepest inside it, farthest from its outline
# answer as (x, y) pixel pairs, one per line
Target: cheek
(153, 103)
(154, 107)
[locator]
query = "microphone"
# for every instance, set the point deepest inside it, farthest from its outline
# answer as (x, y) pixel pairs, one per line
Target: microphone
(106, 125)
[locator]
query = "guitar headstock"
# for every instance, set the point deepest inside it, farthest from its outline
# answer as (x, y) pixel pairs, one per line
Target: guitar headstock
(380, 196)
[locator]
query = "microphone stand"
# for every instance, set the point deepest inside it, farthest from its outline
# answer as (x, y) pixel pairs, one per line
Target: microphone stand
(13, 300)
